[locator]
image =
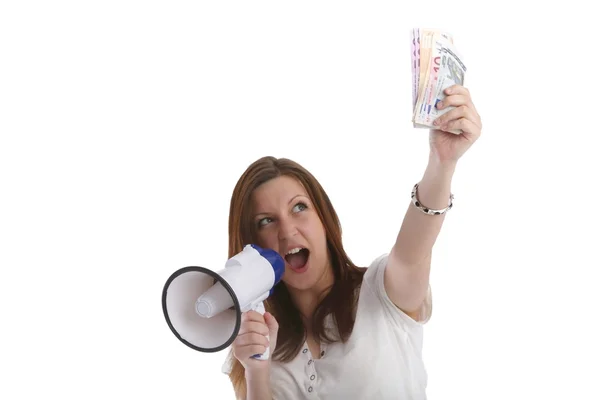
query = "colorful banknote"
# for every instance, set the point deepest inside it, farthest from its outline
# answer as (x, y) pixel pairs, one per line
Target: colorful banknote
(436, 65)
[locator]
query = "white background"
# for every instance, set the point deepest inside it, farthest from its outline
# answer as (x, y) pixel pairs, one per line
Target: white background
(125, 125)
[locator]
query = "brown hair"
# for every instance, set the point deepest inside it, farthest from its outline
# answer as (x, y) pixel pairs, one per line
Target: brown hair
(340, 302)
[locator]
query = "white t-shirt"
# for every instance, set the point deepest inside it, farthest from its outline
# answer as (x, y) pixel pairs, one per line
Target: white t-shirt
(381, 360)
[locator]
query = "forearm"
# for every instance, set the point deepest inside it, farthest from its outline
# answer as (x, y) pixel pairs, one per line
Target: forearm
(419, 231)
(258, 385)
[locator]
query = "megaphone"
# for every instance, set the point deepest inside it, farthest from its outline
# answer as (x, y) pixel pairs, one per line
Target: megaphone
(203, 308)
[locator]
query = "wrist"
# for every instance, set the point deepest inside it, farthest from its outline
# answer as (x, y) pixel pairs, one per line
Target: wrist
(435, 185)
(435, 166)
(438, 175)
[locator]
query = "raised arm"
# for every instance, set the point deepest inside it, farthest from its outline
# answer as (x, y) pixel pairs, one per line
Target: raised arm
(407, 273)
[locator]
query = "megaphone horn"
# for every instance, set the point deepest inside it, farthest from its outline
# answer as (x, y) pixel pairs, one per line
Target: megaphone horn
(203, 308)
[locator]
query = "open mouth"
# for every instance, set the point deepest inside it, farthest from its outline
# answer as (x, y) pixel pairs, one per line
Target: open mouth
(297, 258)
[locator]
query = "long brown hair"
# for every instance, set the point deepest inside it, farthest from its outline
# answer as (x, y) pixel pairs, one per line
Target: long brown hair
(340, 302)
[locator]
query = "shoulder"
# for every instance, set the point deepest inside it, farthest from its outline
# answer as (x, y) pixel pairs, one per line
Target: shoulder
(373, 283)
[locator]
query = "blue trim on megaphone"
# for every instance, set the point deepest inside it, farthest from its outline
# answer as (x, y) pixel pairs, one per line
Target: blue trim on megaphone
(276, 262)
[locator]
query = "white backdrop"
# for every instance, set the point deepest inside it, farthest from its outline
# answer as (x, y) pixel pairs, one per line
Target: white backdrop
(125, 126)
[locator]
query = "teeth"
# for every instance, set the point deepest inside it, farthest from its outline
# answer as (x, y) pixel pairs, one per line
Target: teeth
(294, 251)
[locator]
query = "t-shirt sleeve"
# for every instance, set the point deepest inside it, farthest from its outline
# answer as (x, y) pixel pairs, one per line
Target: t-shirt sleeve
(227, 364)
(374, 276)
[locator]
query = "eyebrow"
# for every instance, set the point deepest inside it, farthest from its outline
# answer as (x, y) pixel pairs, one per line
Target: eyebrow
(298, 195)
(292, 199)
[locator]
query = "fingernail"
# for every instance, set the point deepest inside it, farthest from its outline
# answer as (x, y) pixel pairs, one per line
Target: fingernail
(439, 104)
(436, 122)
(448, 91)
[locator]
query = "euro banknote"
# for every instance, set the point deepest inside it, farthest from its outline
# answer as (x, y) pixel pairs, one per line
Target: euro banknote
(436, 65)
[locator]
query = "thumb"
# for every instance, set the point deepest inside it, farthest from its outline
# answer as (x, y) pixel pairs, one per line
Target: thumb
(272, 325)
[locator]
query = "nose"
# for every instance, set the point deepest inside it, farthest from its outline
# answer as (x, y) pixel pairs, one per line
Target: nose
(287, 228)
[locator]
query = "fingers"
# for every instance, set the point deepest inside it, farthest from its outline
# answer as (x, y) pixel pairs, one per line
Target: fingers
(455, 100)
(243, 353)
(271, 322)
(458, 97)
(457, 89)
(252, 326)
(468, 128)
(252, 336)
(253, 316)
(252, 339)
(253, 322)
(457, 113)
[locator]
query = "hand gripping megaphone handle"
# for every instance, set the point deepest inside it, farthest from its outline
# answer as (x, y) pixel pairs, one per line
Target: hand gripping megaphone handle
(260, 307)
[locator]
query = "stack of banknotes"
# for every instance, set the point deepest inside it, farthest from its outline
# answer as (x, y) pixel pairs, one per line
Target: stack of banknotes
(436, 65)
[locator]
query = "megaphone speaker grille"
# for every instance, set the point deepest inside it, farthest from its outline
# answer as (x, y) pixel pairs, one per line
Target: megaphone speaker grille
(180, 293)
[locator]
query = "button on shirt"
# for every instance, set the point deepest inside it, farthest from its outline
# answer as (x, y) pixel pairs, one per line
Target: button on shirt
(381, 360)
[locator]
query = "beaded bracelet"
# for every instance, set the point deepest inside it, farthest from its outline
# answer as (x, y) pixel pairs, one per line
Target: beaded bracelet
(426, 210)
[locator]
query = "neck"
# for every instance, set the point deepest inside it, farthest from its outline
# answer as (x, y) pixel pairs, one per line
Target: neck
(306, 300)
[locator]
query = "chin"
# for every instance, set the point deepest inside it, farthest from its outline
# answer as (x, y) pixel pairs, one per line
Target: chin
(297, 281)
(298, 286)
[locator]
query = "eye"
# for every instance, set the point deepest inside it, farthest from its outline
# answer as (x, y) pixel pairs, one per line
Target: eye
(262, 222)
(299, 207)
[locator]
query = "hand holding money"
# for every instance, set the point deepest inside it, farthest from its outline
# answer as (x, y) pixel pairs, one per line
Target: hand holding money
(440, 101)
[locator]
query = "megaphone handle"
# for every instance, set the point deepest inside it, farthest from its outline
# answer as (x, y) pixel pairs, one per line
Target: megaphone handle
(260, 307)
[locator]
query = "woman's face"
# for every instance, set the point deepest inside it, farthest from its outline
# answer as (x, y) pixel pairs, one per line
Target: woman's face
(286, 221)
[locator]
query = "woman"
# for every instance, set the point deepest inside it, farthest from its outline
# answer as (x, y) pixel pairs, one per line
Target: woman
(339, 331)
